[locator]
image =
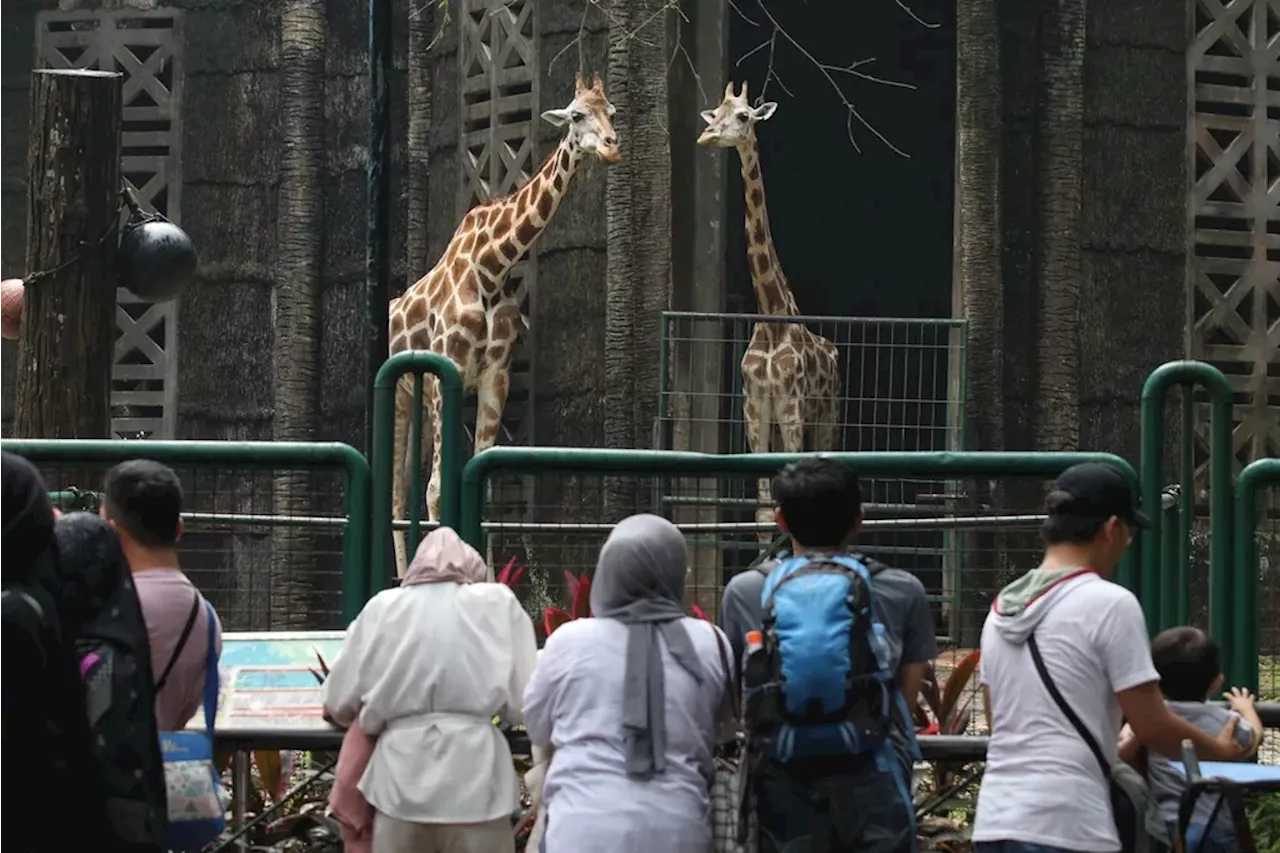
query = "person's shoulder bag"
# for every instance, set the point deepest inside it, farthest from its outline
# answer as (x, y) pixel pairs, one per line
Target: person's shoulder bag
(197, 814)
(1131, 805)
(733, 817)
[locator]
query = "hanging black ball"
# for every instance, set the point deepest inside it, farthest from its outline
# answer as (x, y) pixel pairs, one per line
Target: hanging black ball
(156, 260)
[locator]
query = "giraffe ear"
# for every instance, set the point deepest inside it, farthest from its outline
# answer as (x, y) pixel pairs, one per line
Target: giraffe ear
(765, 110)
(709, 116)
(556, 118)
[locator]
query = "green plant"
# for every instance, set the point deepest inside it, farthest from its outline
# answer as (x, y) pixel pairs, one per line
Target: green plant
(1264, 818)
(579, 594)
(947, 711)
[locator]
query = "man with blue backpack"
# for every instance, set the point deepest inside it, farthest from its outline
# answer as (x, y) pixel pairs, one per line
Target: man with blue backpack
(832, 649)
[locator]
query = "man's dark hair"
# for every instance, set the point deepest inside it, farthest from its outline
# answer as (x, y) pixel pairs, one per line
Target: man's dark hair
(145, 499)
(820, 501)
(1061, 528)
(1188, 662)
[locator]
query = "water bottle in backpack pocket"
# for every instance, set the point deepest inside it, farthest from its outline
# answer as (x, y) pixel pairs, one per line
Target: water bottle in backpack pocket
(822, 683)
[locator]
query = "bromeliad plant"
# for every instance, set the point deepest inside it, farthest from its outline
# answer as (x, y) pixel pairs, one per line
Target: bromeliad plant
(949, 713)
(949, 716)
(578, 593)
(578, 590)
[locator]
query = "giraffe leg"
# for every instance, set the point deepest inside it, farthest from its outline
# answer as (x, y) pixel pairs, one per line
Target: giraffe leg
(826, 425)
(755, 412)
(491, 399)
(399, 467)
(790, 416)
(432, 405)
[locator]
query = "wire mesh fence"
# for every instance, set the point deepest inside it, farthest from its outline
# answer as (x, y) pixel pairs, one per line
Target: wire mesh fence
(964, 537)
(1267, 536)
(266, 542)
(900, 383)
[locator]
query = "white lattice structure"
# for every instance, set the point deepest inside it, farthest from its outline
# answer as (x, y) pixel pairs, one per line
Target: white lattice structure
(498, 102)
(1233, 84)
(145, 46)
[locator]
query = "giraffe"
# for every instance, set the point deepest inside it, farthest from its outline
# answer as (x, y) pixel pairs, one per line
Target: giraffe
(790, 375)
(461, 308)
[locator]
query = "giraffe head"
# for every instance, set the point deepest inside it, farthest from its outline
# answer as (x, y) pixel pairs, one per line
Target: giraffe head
(589, 117)
(729, 125)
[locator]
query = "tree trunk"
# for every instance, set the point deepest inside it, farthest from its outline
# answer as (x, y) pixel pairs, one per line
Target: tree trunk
(638, 224)
(419, 139)
(979, 280)
(297, 303)
(67, 336)
(1061, 163)
(620, 277)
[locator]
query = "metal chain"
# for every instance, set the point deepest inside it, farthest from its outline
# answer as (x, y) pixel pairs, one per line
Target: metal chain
(137, 216)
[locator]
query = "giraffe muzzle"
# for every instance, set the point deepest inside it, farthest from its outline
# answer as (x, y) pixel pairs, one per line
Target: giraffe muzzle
(609, 154)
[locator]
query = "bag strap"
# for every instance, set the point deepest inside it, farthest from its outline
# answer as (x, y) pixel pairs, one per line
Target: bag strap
(1058, 699)
(210, 674)
(182, 642)
(731, 675)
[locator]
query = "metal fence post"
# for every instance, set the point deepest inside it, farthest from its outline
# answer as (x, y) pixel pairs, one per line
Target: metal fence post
(1253, 479)
(1188, 374)
(384, 397)
(357, 572)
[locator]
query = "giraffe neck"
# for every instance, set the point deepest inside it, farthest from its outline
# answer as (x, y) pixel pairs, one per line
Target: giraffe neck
(525, 214)
(773, 296)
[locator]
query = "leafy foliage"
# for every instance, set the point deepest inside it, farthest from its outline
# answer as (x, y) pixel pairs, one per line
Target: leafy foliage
(578, 589)
(950, 717)
(511, 573)
(1264, 817)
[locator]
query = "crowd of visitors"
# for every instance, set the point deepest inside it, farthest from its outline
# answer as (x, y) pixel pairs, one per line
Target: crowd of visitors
(106, 646)
(787, 727)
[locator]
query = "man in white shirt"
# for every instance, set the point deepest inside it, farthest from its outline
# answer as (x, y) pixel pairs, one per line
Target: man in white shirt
(1043, 790)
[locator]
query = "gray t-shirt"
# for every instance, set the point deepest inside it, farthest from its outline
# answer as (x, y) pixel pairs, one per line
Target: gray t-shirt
(899, 602)
(1167, 783)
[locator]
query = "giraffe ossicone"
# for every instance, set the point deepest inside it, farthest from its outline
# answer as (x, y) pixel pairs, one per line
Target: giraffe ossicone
(790, 374)
(462, 308)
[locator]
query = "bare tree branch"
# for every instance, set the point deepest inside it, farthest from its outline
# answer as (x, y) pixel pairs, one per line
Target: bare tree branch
(829, 71)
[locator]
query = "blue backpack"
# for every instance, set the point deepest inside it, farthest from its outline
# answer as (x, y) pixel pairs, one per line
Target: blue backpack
(822, 684)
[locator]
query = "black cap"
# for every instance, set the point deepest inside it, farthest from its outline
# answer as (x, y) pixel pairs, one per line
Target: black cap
(1098, 490)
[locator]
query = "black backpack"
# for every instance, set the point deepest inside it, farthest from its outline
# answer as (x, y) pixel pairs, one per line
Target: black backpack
(101, 615)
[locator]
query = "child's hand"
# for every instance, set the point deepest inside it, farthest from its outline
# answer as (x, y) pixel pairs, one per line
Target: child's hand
(1240, 699)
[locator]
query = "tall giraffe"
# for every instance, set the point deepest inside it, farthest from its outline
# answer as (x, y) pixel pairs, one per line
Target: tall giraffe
(461, 308)
(790, 375)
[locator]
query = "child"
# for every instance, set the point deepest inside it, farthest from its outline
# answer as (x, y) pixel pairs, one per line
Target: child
(1190, 672)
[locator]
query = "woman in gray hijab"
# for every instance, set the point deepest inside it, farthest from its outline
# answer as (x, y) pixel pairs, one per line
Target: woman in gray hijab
(629, 701)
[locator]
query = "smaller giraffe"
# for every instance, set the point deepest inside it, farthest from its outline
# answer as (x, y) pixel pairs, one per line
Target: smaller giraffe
(462, 309)
(790, 375)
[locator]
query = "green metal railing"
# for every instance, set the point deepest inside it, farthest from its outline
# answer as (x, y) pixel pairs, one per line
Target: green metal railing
(418, 363)
(1164, 598)
(1260, 475)
(940, 465)
(278, 455)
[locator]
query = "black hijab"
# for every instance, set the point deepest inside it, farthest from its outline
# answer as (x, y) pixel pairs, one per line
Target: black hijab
(96, 598)
(45, 729)
(99, 609)
(29, 549)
